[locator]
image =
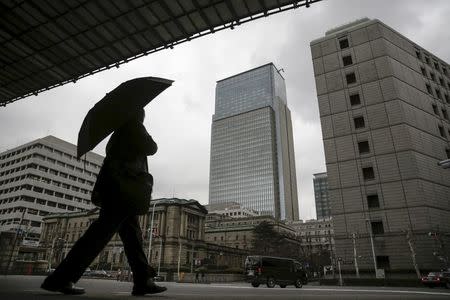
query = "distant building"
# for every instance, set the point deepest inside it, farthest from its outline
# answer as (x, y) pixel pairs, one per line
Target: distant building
(42, 177)
(315, 235)
(252, 147)
(384, 108)
(230, 209)
(323, 205)
(238, 233)
(178, 235)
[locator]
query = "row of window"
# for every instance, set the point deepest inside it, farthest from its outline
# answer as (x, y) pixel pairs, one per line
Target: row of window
(45, 169)
(45, 191)
(438, 93)
(16, 221)
(47, 180)
(43, 202)
(244, 238)
(433, 77)
(344, 44)
(49, 149)
(436, 65)
(30, 211)
(355, 100)
(360, 123)
(444, 112)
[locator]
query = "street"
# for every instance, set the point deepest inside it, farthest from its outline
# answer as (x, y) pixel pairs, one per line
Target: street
(27, 287)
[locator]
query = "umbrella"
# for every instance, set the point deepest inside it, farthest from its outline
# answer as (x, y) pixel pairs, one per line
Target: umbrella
(116, 108)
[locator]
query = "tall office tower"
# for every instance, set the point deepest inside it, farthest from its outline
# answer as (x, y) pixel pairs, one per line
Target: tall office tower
(384, 103)
(41, 177)
(252, 151)
(323, 205)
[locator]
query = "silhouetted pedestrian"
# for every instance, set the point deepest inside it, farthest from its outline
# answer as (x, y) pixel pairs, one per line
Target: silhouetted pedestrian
(126, 154)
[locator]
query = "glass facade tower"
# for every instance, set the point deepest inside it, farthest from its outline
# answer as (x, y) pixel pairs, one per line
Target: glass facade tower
(323, 205)
(252, 152)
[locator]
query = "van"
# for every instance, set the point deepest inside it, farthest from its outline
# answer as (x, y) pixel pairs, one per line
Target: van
(273, 271)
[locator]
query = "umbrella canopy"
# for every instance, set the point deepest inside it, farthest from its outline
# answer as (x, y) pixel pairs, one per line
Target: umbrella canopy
(116, 108)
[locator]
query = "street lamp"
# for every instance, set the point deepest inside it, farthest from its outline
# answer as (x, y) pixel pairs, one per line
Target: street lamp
(51, 251)
(151, 231)
(373, 248)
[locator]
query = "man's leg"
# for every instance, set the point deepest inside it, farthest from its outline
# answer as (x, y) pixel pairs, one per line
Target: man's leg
(131, 235)
(86, 249)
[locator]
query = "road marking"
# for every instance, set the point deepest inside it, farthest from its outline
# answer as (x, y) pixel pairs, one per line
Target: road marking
(342, 290)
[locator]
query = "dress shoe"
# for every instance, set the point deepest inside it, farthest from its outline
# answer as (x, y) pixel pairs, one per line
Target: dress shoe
(149, 288)
(68, 288)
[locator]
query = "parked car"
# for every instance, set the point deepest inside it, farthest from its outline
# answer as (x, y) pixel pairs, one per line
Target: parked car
(273, 271)
(99, 273)
(434, 279)
(87, 272)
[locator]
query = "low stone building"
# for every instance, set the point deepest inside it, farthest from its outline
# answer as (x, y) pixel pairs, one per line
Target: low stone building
(178, 241)
(178, 235)
(230, 209)
(315, 235)
(238, 232)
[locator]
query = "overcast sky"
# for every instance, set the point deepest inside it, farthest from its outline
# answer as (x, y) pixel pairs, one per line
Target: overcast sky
(180, 119)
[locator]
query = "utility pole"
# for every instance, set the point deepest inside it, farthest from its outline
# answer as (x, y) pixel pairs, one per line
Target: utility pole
(179, 258)
(355, 256)
(340, 274)
(160, 253)
(369, 227)
(413, 252)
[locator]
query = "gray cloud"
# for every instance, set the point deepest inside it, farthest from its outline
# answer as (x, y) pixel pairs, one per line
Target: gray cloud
(180, 119)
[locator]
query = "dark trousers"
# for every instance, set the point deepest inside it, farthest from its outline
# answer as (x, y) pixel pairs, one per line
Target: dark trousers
(95, 239)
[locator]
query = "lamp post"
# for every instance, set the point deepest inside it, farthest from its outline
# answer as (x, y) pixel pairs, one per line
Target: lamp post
(355, 257)
(160, 251)
(51, 252)
(373, 248)
(151, 231)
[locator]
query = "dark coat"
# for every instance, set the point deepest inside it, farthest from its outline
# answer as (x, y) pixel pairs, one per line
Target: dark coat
(127, 148)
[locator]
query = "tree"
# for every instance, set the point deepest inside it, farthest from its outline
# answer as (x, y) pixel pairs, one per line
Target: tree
(265, 239)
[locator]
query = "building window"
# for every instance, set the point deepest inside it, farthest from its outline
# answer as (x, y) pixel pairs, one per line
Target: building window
(429, 89)
(427, 60)
(447, 99)
(350, 77)
(438, 93)
(424, 72)
(441, 131)
(418, 54)
(435, 109)
(347, 60)
(343, 43)
(441, 81)
(372, 201)
(368, 173)
(359, 122)
(363, 147)
(383, 262)
(436, 65)
(445, 114)
(377, 227)
(433, 77)
(355, 99)
(444, 70)
(447, 152)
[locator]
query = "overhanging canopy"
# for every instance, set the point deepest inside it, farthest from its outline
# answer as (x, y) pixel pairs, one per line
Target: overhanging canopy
(47, 43)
